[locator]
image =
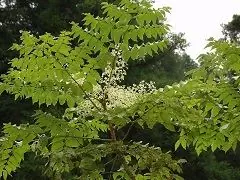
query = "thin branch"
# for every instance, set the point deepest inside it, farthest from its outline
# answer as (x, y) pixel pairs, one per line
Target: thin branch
(99, 139)
(80, 87)
(111, 160)
(128, 131)
(140, 117)
(109, 177)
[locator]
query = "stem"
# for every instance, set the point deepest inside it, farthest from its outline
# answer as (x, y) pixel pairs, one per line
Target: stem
(112, 131)
(104, 102)
(75, 81)
(110, 124)
(135, 121)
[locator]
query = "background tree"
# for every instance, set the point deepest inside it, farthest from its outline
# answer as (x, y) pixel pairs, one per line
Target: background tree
(39, 17)
(166, 68)
(231, 30)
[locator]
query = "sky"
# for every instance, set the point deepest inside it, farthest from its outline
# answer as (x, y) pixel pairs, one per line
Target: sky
(199, 19)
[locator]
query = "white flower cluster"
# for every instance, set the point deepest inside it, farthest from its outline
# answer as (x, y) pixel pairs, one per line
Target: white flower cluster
(115, 73)
(113, 94)
(122, 96)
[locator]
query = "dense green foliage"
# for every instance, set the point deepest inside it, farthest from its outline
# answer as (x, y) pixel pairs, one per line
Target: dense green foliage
(56, 71)
(39, 17)
(35, 18)
(231, 30)
(50, 70)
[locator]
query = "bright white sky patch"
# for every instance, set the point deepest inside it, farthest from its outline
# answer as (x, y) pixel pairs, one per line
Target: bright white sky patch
(199, 19)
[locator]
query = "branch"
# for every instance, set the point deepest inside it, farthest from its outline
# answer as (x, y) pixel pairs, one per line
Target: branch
(99, 139)
(88, 97)
(140, 117)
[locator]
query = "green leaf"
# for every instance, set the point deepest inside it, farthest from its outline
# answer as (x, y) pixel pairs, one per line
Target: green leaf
(5, 174)
(120, 176)
(87, 86)
(70, 101)
(134, 53)
(57, 145)
(140, 33)
(214, 146)
(177, 144)
(73, 142)
(62, 99)
(169, 126)
(126, 55)
(183, 142)
(215, 111)
(116, 35)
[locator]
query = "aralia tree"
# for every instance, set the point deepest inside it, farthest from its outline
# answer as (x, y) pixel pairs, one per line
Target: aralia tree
(83, 69)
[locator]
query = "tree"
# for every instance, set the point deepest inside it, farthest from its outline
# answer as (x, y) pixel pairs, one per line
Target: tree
(36, 19)
(81, 68)
(231, 30)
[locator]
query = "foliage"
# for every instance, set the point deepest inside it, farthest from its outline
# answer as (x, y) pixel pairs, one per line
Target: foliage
(164, 69)
(214, 91)
(39, 17)
(231, 30)
(81, 68)
(218, 170)
(208, 102)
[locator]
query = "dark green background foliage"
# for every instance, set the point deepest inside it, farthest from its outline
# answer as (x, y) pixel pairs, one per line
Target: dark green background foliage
(231, 30)
(39, 17)
(53, 16)
(164, 69)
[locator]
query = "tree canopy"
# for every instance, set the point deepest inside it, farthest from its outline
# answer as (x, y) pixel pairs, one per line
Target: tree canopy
(85, 77)
(83, 70)
(231, 30)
